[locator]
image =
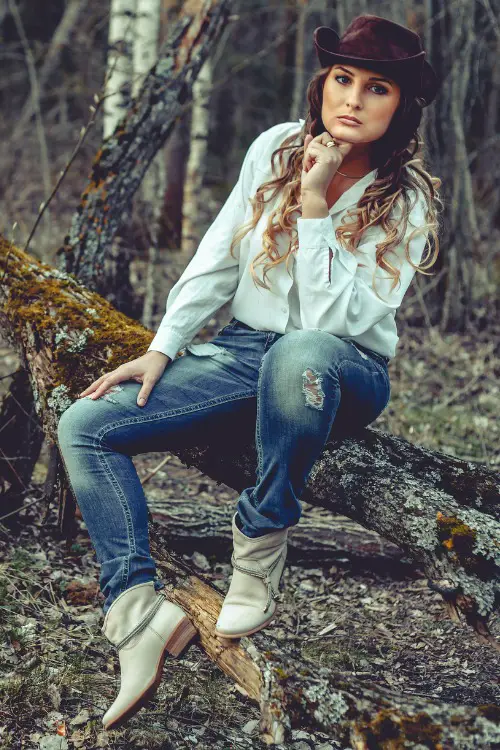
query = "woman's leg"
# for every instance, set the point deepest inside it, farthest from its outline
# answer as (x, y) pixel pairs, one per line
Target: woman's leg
(311, 383)
(199, 393)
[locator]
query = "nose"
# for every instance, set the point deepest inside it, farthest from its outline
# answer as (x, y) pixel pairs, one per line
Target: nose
(353, 98)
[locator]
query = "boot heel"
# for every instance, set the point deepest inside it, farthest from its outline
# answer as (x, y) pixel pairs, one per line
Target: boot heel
(183, 633)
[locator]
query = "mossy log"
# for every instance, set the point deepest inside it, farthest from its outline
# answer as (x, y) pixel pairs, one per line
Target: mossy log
(440, 511)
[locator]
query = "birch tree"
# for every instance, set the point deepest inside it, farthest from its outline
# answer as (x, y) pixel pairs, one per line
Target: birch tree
(192, 204)
(119, 67)
(152, 192)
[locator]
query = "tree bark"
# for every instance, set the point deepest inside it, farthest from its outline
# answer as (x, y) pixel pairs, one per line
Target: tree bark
(120, 165)
(21, 439)
(377, 480)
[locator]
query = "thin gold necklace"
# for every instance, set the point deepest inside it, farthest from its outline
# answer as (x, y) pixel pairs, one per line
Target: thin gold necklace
(349, 176)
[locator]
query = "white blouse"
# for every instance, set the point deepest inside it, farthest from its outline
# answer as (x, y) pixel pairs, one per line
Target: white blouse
(329, 289)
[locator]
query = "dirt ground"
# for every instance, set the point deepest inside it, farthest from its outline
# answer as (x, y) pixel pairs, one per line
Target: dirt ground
(58, 674)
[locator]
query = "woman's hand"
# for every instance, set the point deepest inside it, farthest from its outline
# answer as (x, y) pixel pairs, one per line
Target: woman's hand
(321, 162)
(146, 369)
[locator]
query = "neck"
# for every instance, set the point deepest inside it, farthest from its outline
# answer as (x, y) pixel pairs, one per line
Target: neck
(357, 162)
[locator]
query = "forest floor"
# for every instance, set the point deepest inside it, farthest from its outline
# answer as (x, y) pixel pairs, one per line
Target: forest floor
(58, 674)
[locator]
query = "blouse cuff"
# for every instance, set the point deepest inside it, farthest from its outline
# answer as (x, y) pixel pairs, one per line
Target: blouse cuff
(168, 342)
(315, 233)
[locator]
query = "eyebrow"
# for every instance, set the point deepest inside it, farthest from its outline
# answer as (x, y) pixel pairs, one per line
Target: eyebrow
(372, 78)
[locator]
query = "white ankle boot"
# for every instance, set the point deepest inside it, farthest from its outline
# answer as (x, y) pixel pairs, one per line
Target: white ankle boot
(257, 567)
(142, 624)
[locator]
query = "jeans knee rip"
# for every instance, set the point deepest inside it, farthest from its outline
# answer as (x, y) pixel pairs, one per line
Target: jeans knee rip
(311, 387)
(106, 396)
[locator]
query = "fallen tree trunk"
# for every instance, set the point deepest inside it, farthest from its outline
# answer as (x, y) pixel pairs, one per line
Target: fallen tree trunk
(293, 693)
(319, 538)
(439, 510)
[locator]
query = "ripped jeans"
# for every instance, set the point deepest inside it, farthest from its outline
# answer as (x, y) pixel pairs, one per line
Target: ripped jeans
(288, 391)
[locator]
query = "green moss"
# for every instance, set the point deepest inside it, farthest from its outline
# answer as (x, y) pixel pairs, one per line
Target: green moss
(281, 673)
(82, 333)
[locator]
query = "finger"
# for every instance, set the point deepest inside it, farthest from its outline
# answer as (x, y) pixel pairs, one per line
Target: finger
(110, 380)
(92, 386)
(146, 389)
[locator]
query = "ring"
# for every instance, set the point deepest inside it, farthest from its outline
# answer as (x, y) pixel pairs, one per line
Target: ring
(331, 143)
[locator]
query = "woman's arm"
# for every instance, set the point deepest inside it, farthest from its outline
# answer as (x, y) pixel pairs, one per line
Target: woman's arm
(211, 277)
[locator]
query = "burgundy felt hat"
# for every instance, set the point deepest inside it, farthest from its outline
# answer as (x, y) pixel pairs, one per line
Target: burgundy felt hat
(385, 46)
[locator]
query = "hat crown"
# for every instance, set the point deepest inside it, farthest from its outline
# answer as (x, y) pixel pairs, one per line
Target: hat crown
(379, 39)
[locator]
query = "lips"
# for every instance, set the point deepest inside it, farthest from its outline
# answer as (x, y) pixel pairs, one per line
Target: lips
(351, 119)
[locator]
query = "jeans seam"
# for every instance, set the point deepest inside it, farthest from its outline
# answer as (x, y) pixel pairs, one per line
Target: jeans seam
(98, 447)
(258, 440)
(248, 393)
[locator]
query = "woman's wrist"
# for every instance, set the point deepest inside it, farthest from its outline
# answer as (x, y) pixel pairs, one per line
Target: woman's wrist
(314, 206)
(161, 354)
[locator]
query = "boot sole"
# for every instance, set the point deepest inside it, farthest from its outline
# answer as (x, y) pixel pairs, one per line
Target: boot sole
(183, 633)
(246, 632)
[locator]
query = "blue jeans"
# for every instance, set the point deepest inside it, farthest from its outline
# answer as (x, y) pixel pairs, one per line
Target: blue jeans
(288, 391)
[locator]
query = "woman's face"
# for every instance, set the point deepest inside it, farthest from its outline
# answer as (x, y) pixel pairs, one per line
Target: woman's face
(349, 90)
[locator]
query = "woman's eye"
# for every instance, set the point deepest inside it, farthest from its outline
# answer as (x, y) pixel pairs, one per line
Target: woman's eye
(374, 85)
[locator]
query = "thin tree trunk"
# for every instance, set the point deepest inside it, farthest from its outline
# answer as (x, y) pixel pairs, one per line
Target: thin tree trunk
(193, 198)
(62, 38)
(120, 165)
(152, 191)
(119, 63)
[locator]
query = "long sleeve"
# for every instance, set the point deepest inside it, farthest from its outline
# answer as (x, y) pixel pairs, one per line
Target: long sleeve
(211, 277)
(336, 291)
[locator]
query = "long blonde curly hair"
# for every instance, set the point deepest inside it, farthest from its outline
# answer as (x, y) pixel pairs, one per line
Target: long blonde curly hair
(399, 172)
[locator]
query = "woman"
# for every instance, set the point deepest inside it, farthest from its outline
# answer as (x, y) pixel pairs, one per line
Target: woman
(305, 353)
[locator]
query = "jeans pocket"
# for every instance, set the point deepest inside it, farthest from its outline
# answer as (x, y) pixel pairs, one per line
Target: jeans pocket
(205, 350)
(363, 354)
(229, 326)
